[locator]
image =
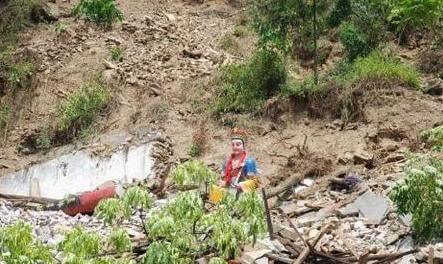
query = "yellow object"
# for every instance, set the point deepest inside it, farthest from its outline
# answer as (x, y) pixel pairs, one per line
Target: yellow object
(216, 193)
(249, 185)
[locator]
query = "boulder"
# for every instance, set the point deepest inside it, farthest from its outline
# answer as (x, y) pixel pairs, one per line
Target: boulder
(47, 12)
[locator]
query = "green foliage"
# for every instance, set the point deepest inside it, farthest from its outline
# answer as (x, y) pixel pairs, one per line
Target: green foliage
(117, 54)
(217, 260)
(137, 198)
(20, 72)
(244, 87)
(15, 15)
(15, 70)
(112, 210)
(187, 206)
(380, 67)
(80, 244)
(192, 172)
(420, 194)
(250, 207)
(229, 43)
(18, 246)
(434, 137)
(355, 42)
(241, 31)
(300, 89)
(60, 27)
(101, 12)
(120, 241)
(370, 19)
(194, 150)
(285, 23)
(342, 10)
(176, 228)
(408, 15)
(81, 107)
(163, 252)
(228, 233)
(5, 114)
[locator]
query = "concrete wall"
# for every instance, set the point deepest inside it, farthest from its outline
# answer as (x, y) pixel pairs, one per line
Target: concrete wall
(79, 172)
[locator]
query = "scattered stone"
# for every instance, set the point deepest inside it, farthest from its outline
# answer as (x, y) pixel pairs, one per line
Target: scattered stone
(288, 233)
(405, 220)
(368, 205)
(435, 87)
(48, 12)
(363, 157)
(252, 256)
(264, 260)
(114, 40)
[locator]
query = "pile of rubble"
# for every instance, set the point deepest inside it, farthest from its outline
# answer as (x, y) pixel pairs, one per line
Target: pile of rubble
(322, 223)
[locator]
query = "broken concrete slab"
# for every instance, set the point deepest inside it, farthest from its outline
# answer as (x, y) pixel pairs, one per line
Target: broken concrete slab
(264, 260)
(288, 234)
(274, 245)
(251, 256)
(405, 220)
(369, 205)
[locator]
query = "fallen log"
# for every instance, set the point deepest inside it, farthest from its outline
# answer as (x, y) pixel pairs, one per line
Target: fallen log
(284, 185)
(308, 250)
(31, 199)
(278, 258)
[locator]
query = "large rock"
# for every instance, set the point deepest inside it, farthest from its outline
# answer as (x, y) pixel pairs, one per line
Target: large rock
(252, 256)
(47, 12)
(369, 205)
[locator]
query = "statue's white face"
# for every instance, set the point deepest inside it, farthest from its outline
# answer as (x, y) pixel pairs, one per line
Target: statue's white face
(237, 146)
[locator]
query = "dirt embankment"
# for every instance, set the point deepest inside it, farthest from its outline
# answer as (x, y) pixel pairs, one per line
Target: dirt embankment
(171, 51)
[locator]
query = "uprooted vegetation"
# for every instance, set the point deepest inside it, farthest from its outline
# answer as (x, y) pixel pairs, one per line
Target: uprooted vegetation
(434, 138)
(185, 229)
(101, 12)
(419, 194)
(244, 87)
(74, 117)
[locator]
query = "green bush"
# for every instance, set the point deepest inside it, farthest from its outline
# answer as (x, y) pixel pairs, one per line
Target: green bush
(18, 245)
(244, 87)
(434, 137)
(342, 10)
(15, 69)
(354, 41)
(370, 19)
(101, 12)
(14, 16)
(421, 194)
(378, 67)
(5, 114)
(117, 54)
(408, 15)
(229, 43)
(301, 89)
(82, 107)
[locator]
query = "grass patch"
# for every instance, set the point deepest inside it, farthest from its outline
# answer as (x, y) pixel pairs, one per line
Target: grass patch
(5, 114)
(101, 12)
(117, 54)
(419, 194)
(377, 68)
(434, 138)
(14, 17)
(229, 43)
(244, 87)
(199, 141)
(241, 31)
(15, 70)
(81, 108)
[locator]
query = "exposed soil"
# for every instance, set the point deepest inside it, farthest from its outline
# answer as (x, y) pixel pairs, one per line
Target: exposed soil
(171, 53)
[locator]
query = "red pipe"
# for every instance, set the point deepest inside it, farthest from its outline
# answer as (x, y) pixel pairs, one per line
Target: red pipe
(89, 200)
